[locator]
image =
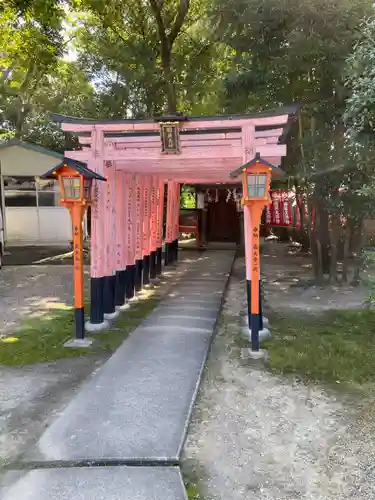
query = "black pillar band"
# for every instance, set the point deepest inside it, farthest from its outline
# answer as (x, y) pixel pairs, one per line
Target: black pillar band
(166, 254)
(159, 261)
(254, 322)
(130, 282)
(96, 293)
(153, 265)
(109, 294)
(146, 269)
(120, 288)
(80, 323)
(138, 275)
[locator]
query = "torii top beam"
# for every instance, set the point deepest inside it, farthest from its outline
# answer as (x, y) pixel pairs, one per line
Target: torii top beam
(209, 147)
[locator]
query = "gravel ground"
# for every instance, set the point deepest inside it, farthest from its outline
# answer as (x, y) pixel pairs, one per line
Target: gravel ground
(256, 436)
(32, 396)
(32, 291)
(286, 274)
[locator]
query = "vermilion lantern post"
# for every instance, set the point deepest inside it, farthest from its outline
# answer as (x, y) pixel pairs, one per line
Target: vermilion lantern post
(75, 181)
(256, 179)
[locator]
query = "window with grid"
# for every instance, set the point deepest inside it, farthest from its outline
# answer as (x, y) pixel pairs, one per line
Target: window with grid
(256, 185)
(48, 192)
(72, 187)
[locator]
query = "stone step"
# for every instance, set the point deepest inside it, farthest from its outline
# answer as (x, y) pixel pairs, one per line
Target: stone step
(95, 483)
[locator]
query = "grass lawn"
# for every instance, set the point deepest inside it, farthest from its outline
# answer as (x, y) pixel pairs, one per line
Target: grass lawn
(191, 482)
(192, 491)
(337, 347)
(42, 339)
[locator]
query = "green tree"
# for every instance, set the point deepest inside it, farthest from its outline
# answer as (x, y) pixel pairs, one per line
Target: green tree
(296, 50)
(30, 50)
(154, 56)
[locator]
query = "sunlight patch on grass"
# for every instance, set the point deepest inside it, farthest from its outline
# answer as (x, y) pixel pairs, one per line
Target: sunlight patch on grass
(42, 339)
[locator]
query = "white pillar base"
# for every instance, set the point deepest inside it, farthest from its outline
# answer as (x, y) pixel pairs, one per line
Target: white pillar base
(79, 343)
(96, 327)
(264, 334)
(260, 355)
(133, 300)
(124, 307)
(111, 316)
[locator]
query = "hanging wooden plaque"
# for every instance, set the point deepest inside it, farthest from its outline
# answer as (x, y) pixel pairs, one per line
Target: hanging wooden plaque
(170, 137)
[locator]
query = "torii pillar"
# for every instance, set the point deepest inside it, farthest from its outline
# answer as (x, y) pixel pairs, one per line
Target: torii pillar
(159, 226)
(138, 232)
(97, 265)
(121, 248)
(130, 190)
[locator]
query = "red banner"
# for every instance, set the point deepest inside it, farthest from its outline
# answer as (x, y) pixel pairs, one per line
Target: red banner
(283, 210)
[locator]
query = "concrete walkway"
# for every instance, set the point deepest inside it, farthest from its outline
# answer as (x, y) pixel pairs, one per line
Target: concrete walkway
(129, 421)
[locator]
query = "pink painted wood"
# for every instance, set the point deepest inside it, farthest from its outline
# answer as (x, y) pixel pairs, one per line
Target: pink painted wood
(176, 210)
(110, 219)
(95, 163)
(130, 218)
(173, 211)
(146, 216)
(188, 166)
(169, 228)
(275, 132)
(144, 126)
(120, 222)
(160, 213)
(198, 138)
(154, 206)
(206, 153)
(138, 216)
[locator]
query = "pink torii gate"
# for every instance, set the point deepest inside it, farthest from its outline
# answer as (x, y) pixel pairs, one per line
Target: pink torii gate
(127, 214)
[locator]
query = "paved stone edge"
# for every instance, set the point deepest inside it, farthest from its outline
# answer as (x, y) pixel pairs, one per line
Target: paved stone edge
(12, 477)
(203, 366)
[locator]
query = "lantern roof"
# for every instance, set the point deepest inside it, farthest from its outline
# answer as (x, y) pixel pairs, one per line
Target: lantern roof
(79, 166)
(254, 163)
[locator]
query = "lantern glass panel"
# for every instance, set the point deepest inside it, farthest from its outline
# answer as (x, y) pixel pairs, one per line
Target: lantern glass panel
(72, 188)
(256, 185)
(87, 189)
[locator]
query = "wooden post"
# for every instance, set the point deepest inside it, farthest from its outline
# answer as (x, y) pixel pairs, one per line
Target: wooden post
(159, 226)
(110, 242)
(121, 230)
(154, 188)
(176, 220)
(130, 220)
(138, 231)
(250, 221)
(77, 212)
(97, 249)
(146, 229)
(255, 320)
(169, 228)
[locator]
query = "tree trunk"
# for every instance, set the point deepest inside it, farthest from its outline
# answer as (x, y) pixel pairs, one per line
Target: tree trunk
(335, 238)
(324, 238)
(345, 263)
(170, 88)
(316, 248)
(358, 264)
(168, 32)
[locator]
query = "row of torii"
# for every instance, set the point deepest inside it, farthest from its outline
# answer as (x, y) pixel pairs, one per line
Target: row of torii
(128, 209)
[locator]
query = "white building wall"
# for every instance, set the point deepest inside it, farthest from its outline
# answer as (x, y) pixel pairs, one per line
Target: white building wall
(33, 225)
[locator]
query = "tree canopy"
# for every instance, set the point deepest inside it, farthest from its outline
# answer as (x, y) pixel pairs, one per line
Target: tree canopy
(117, 58)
